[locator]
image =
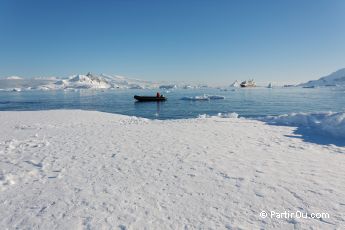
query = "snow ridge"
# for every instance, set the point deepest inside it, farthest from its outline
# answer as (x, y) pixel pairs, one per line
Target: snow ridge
(334, 79)
(327, 123)
(322, 123)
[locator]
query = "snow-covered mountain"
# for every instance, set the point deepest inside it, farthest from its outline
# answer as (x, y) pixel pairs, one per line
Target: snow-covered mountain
(171, 86)
(102, 81)
(76, 82)
(128, 83)
(334, 79)
(88, 81)
(83, 82)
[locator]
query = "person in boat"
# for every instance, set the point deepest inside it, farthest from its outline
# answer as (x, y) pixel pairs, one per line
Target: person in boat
(158, 94)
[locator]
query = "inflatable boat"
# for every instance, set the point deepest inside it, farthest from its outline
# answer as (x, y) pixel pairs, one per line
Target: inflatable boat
(149, 98)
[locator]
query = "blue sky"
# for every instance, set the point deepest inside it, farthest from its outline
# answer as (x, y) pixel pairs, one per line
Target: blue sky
(212, 41)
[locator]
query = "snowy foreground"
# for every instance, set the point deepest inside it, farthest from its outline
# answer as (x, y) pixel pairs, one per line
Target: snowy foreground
(92, 170)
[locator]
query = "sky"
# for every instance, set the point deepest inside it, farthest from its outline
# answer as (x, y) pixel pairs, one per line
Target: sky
(196, 40)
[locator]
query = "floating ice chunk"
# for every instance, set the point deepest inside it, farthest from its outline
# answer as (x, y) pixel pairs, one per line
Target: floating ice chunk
(203, 116)
(196, 98)
(221, 115)
(227, 115)
(203, 98)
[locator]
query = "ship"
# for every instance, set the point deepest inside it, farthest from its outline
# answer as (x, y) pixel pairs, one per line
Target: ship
(248, 83)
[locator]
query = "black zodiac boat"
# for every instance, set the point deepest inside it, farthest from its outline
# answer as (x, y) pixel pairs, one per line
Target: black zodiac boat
(149, 98)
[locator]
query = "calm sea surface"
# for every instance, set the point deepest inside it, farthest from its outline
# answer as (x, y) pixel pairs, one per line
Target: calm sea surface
(254, 102)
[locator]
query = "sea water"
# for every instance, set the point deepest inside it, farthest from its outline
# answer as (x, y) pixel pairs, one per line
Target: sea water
(247, 102)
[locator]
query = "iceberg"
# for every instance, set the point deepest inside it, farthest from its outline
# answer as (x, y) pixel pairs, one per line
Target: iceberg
(235, 84)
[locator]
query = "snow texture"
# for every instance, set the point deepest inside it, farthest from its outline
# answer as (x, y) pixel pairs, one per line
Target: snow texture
(91, 170)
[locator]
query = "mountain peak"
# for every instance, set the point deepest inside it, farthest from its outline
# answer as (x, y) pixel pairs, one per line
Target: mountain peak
(336, 78)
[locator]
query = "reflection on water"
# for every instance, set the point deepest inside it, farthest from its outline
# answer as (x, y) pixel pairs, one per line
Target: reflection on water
(246, 102)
